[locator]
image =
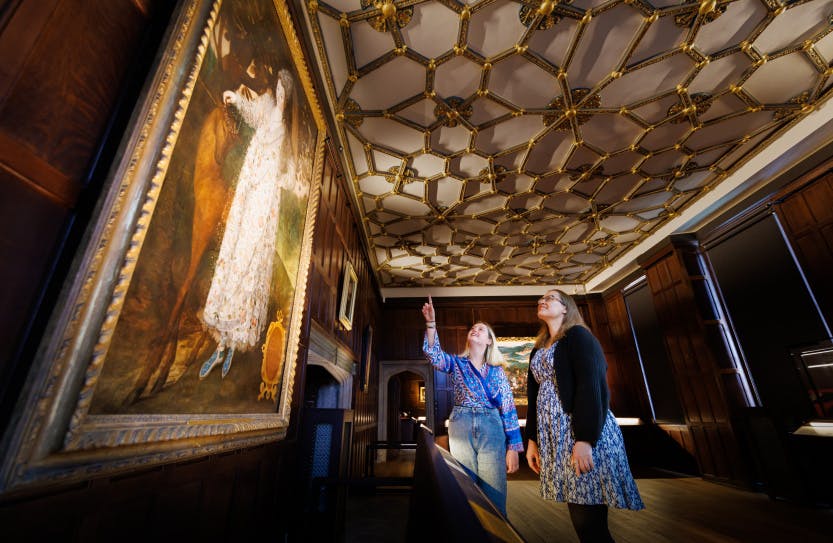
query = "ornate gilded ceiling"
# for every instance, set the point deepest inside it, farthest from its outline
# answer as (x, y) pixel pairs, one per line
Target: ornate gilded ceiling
(498, 142)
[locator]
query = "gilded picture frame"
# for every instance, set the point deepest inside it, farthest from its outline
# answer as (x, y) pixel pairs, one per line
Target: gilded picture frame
(125, 376)
(347, 300)
(516, 351)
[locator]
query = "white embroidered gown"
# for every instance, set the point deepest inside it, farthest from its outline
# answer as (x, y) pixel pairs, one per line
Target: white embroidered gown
(235, 310)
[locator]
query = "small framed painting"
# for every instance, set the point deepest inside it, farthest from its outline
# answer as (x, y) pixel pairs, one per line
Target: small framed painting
(349, 284)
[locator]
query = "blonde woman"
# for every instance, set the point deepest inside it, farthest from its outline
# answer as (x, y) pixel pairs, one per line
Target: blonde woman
(483, 431)
(574, 442)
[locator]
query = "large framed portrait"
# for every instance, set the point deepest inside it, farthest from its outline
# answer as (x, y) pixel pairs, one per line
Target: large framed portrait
(516, 351)
(178, 333)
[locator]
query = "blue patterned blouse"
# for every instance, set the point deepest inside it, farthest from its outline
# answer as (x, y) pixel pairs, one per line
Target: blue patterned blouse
(468, 388)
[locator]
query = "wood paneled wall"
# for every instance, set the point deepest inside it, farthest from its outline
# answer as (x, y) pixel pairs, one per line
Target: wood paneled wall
(699, 371)
(628, 396)
(807, 215)
(65, 66)
(338, 240)
(403, 328)
(403, 325)
(229, 497)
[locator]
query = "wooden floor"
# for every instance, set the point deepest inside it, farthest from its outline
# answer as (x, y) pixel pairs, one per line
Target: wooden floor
(381, 518)
(678, 509)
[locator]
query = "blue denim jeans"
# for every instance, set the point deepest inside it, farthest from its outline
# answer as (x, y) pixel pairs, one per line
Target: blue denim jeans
(477, 440)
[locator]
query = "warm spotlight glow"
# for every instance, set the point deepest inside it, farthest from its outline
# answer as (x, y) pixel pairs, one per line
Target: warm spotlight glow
(628, 421)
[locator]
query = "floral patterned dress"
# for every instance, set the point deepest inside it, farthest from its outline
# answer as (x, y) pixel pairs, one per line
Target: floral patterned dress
(609, 482)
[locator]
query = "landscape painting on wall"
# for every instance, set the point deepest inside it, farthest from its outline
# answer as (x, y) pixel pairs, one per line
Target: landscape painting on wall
(516, 352)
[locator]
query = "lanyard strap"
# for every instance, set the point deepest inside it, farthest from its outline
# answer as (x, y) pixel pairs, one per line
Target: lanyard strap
(485, 388)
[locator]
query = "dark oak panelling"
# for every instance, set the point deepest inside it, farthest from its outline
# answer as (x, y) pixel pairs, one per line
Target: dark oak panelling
(674, 280)
(807, 216)
(403, 324)
(597, 320)
(338, 241)
(219, 498)
(24, 263)
(403, 328)
(627, 385)
(81, 54)
(64, 67)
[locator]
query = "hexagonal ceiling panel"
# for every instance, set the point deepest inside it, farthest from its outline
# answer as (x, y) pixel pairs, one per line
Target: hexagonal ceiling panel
(500, 142)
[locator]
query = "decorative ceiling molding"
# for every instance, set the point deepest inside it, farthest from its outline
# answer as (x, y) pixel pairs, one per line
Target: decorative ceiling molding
(521, 143)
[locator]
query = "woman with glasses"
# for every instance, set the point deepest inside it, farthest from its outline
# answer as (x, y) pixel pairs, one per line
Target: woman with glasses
(483, 431)
(574, 442)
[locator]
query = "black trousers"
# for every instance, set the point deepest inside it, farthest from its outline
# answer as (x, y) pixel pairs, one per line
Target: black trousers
(590, 523)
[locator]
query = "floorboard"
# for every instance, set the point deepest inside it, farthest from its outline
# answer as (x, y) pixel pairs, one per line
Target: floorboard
(678, 509)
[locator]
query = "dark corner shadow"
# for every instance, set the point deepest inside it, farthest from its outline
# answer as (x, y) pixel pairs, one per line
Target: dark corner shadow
(653, 454)
(646, 472)
(524, 472)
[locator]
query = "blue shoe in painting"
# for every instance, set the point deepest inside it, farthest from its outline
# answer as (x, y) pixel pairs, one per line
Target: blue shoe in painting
(227, 362)
(209, 364)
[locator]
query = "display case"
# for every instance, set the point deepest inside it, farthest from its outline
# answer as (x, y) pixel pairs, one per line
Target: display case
(815, 367)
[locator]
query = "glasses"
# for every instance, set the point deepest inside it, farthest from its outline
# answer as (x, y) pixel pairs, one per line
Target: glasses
(549, 298)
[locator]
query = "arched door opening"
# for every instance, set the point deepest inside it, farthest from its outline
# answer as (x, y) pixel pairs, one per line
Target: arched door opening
(321, 389)
(406, 405)
(401, 384)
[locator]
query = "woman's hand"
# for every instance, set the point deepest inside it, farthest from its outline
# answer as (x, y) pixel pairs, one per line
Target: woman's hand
(428, 311)
(511, 461)
(430, 322)
(582, 459)
(532, 457)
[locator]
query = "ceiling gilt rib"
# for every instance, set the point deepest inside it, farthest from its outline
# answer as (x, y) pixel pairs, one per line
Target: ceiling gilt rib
(449, 113)
(560, 109)
(389, 16)
(709, 10)
(510, 142)
(700, 103)
(529, 14)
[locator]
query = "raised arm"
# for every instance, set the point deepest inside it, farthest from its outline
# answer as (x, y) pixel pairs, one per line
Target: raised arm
(431, 344)
(430, 321)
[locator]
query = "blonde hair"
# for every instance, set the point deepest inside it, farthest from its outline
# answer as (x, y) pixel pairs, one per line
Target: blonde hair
(493, 355)
(571, 318)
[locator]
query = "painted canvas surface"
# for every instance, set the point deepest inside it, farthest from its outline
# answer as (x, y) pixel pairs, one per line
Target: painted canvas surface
(516, 351)
(204, 324)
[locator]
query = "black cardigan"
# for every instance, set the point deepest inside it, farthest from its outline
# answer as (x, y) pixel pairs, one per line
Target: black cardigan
(581, 373)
